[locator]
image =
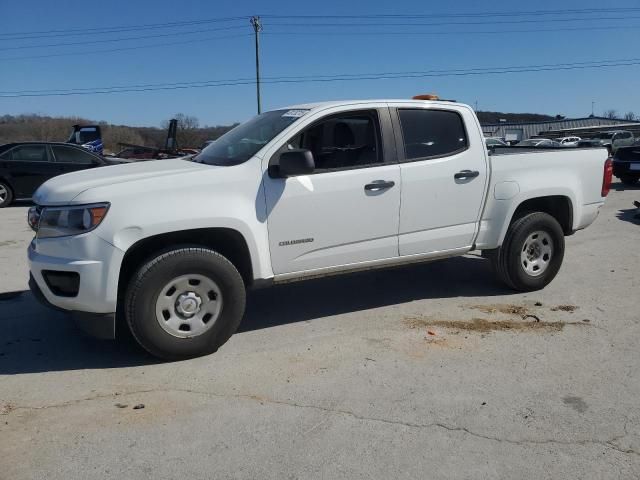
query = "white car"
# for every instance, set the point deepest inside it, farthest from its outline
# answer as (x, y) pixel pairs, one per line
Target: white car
(569, 141)
(296, 193)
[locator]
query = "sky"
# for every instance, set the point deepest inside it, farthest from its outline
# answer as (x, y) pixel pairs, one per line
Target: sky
(413, 36)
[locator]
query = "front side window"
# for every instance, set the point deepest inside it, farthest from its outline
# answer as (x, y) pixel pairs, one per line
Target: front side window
(244, 141)
(30, 153)
(431, 133)
(72, 155)
(346, 140)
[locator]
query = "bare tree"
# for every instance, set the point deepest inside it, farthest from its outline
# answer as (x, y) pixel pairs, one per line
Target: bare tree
(113, 135)
(630, 116)
(612, 114)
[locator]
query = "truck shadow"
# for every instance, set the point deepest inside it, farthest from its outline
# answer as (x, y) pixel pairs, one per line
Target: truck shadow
(469, 276)
(36, 339)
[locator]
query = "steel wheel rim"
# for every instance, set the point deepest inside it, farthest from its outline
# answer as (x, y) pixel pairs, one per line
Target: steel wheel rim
(536, 253)
(189, 305)
(3, 193)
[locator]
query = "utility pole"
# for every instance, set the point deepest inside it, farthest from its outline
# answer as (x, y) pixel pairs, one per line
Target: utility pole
(592, 104)
(476, 109)
(257, 27)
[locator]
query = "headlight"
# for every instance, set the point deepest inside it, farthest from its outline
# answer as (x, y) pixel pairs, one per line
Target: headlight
(65, 221)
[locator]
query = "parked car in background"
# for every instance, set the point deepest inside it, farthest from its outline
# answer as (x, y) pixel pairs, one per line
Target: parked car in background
(569, 141)
(495, 142)
(539, 142)
(626, 164)
(610, 140)
(27, 165)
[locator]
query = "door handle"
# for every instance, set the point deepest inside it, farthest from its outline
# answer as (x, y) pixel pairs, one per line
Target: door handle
(466, 174)
(379, 185)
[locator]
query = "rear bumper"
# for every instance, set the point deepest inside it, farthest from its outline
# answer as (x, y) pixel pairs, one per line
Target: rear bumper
(98, 325)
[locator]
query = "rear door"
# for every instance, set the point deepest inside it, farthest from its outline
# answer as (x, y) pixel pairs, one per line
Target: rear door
(347, 211)
(29, 166)
(444, 178)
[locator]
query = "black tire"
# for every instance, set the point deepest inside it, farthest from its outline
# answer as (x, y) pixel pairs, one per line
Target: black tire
(629, 180)
(146, 285)
(507, 259)
(7, 198)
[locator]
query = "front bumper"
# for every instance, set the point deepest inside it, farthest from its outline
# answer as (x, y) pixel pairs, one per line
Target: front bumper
(97, 263)
(98, 325)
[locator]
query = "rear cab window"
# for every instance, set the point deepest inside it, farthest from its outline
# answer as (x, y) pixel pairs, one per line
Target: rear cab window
(431, 133)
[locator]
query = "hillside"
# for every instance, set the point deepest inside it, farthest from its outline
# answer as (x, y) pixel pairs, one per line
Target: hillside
(18, 128)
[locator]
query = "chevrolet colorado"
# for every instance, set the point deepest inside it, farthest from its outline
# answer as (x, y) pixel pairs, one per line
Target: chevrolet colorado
(171, 246)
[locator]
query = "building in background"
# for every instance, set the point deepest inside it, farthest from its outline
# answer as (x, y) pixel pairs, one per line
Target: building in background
(581, 127)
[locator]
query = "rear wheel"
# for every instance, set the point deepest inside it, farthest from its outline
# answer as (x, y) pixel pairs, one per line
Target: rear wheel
(6, 194)
(629, 179)
(185, 303)
(532, 252)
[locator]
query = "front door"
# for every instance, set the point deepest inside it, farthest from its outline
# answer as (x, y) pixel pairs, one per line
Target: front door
(347, 211)
(444, 179)
(71, 159)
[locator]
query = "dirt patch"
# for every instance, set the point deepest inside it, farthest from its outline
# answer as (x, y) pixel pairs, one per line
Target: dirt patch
(564, 308)
(484, 326)
(507, 309)
(6, 409)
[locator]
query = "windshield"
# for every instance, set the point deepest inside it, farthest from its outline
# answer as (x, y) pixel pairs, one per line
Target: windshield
(529, 143)
(244, 141)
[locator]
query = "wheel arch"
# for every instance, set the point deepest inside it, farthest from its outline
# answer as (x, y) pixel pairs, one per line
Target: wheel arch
(559, 207)
(228, 242)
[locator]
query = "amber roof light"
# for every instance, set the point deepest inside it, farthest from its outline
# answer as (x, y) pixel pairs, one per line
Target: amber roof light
(428, 96)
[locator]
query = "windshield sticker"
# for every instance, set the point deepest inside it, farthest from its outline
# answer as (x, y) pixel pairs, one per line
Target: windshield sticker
(294, 113)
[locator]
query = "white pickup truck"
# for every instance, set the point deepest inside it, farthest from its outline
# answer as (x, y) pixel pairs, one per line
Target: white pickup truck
(171, 246)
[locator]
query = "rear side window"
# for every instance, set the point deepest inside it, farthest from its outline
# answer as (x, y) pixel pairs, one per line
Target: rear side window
(431, 133)
(29, 153)
(65, 154)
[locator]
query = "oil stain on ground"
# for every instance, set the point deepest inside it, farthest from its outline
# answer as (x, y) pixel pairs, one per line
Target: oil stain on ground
(482, 325)
(507, 309)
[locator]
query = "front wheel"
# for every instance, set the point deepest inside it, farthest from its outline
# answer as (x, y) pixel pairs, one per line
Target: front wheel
(531, 253)
(185, 303)
(6, 195)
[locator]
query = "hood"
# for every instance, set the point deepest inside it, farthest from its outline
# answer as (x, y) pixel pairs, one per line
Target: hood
(64, 188)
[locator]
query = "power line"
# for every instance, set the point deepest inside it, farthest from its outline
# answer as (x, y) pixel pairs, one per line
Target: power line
(137, 47)
(456, 33)
(436, 24)
(137, 27)
(124, 39)
(581, 11)
(337, 76)
(349, 77)
(107, 30)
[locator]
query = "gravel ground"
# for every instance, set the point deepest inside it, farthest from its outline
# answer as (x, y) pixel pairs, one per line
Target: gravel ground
(430, 371)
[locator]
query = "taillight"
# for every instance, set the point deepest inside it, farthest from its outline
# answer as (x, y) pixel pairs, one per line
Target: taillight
(606, 177)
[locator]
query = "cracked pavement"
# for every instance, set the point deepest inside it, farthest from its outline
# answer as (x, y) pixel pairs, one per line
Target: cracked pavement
(336, 378)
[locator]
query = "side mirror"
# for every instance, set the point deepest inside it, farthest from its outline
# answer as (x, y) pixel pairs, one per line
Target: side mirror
(295, 162)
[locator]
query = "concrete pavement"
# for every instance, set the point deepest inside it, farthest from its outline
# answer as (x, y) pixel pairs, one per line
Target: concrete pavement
(387, 374)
